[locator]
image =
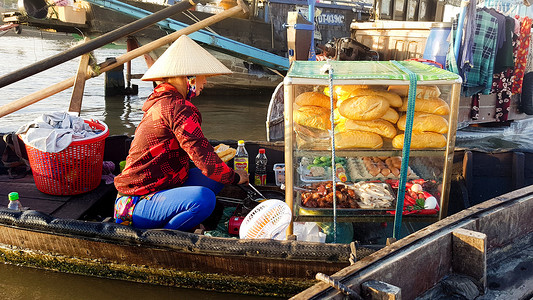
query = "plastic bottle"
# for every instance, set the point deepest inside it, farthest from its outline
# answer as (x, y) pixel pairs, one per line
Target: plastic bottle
(260, 168)
(14, 202)
(240, 161)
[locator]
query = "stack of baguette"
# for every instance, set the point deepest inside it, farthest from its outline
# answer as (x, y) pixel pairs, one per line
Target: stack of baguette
(366, 115)
(430, 118)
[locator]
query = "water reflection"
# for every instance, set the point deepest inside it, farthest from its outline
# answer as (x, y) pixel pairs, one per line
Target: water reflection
(27, 283)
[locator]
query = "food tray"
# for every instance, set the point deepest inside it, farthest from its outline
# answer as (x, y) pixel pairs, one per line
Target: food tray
(358, 171)
(306, 176)
(304, 210)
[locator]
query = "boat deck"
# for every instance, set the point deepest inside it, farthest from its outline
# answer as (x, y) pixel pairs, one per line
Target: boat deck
(67, 207)
(98, 204)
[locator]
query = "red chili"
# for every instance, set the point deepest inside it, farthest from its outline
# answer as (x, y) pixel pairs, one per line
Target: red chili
(408, 201)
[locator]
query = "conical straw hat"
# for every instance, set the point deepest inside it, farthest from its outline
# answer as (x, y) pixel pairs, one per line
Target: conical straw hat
(185, 58)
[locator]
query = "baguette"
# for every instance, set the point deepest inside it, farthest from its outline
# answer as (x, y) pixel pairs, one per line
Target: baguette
(393, 98)
(379, 126)
(364, 108)
(420, 140)
(343, 92)
(313, 98)
(357, 139)
(433, 106)
(426, 122)
(424, 92)
(391, 115)
(313, 116)
(225, 152)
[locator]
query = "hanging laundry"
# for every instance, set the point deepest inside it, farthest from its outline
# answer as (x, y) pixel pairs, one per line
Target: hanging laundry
(505, 54)
(501, 86)
(521, 54)
(479, 77)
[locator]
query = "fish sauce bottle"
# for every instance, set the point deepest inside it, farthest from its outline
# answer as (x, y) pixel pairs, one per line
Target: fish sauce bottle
(14, 202)
(240, 161)
(260, 168)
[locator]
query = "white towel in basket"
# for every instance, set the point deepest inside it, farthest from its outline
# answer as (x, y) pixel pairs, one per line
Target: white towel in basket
(55, 131)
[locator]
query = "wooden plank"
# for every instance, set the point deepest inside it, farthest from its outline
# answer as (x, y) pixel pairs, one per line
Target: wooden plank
(469, 255)
(379, 290)
(29, 195)
(79, 83)
(68, 207)
(78, 205)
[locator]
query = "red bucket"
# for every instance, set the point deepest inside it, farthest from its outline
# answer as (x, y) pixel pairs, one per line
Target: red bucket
(75, 170)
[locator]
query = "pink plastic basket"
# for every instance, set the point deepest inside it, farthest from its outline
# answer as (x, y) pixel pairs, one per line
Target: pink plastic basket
(74, 170)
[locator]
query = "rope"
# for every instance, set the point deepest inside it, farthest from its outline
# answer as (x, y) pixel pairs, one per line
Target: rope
(406, 148)
(195, 19)
(327, 68)
(337, 285)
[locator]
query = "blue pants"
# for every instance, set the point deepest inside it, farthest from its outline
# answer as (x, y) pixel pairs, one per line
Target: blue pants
(180, 208)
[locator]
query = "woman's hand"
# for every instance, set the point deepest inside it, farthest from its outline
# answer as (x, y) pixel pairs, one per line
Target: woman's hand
(243, 175)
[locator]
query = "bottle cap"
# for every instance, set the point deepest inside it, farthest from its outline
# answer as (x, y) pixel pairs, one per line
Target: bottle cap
(241, 142)
(13, 196)
(261, 150)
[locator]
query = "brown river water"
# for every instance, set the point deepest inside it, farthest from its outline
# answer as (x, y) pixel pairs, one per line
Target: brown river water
(224, 117)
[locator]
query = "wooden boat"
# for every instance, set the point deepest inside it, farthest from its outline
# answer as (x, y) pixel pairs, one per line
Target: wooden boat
(66, 233)
(71, 234)
(483, 251)
(262, 28)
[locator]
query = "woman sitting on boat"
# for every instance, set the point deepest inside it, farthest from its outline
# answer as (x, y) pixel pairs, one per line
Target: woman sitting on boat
(157, 189)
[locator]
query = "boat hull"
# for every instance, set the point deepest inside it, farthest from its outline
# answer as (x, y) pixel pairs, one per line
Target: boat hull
(168, 257)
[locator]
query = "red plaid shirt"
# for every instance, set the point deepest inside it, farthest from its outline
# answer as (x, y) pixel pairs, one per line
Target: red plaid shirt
(168, 135)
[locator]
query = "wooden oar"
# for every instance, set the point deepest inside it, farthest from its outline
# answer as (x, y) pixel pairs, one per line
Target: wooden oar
(65, 84)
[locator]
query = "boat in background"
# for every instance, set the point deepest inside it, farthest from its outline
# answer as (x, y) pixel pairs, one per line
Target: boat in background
(263, 28)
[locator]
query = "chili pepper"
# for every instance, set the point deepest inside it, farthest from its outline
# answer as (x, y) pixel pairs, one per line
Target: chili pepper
(408, 201)
(393, 183)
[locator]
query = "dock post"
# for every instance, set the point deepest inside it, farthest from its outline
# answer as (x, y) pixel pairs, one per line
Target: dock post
(131, 44)
(469, 255)
(114, 81)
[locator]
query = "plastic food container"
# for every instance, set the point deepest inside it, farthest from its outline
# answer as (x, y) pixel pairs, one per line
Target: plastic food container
(279, 172)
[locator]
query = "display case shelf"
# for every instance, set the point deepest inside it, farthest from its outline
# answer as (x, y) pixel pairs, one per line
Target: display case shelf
(368, 152)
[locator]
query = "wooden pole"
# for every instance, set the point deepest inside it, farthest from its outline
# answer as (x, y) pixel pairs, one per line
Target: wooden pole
(79, 84)
(94, 44)
(65, 84)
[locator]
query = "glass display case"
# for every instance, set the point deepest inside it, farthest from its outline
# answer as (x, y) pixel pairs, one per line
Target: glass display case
(370, 122)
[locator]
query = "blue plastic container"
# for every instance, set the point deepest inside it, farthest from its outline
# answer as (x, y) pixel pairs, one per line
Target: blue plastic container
(437, 44)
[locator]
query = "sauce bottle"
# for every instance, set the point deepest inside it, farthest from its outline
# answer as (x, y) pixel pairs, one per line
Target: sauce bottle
(240, 162)
(260, 168)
